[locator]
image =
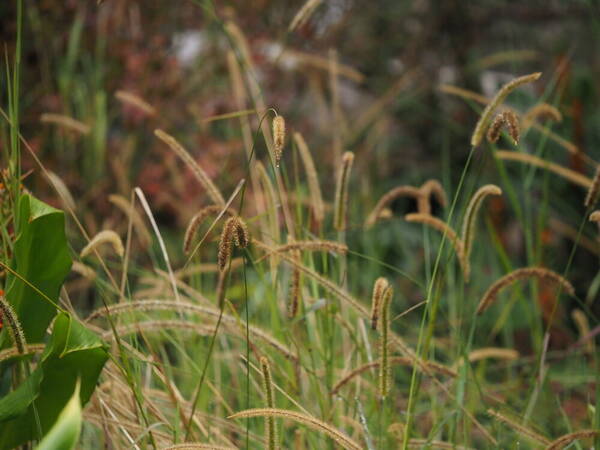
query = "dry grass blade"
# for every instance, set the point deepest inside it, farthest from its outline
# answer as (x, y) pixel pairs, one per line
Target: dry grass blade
(197, 446)
(341, 192)
(124, 205)
(304, 14)
(295, 288)
(592, 194)
(567, 439)
(488, 112)
(568, 174)
(62, 189)
(463, 93)
(29, 349)
(83, 270)
(503, 57)
(445, 229)
(583, 328)
(66, 122)
(161, 242)
(312, 422)
(136, 101)
(521, 274)
(200, 174)
(273, 233)
(518, 427)
(425, 443)
(104, 237)
(311, 177)
(595, 216)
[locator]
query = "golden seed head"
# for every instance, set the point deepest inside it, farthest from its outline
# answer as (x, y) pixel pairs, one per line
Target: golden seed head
(379, 289)
(278, 137)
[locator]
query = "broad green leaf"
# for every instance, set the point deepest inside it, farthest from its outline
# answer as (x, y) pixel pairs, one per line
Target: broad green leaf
(16, 402)
(41, 256)
(73, 353)
(64, 434)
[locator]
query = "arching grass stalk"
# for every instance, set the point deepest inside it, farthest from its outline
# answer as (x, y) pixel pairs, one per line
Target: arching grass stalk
(211, 346)
(431, 310)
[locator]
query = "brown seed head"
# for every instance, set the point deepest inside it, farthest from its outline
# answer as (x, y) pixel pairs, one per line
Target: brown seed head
(234, 232)
(506, 119)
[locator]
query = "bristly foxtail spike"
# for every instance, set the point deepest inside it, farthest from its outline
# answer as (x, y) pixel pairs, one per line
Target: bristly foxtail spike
(278, 137)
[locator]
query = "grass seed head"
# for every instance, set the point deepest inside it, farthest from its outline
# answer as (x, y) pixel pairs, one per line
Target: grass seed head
(508, 120)
(14, 326)
(278, 137)
(341, 192)
(379, 288)
(488, 112)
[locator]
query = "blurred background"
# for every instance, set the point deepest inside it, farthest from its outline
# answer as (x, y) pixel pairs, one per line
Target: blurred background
(371, 77)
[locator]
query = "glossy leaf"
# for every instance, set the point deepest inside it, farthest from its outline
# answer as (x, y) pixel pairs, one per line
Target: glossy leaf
(41, 256)
(73, 353)
(64, 434)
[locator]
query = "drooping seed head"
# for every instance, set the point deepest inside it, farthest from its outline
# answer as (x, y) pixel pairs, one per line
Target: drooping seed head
(241, 236)
(235, 232)
(507, 119)
(225, 243)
